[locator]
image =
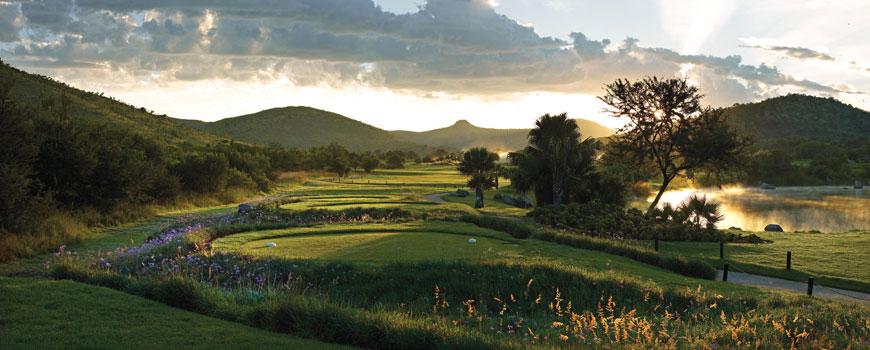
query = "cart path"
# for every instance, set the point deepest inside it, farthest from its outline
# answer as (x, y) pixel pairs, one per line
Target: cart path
(794, 287)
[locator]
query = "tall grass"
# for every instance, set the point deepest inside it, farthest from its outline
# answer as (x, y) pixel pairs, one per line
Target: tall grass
(516, 229)
(687, 267)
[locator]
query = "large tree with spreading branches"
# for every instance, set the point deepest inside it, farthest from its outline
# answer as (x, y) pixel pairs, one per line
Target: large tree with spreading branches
(668, 127)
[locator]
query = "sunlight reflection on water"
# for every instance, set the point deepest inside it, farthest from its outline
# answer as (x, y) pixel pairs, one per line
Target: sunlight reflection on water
(823, 208)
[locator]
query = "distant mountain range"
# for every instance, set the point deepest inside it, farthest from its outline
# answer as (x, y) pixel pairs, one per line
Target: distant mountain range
(463, 135)
(815, 118)
(305, 127)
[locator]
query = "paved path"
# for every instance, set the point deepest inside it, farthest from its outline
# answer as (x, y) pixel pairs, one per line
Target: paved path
(795, 287)
(436, 197)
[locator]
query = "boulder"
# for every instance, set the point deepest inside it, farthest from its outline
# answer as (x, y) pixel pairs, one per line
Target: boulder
(858, 185)
(245, 207)
(527, 202)
(765, 186)
(735, 228)
(497, 196)
(509, 200)
(472, 240)
(773, 228)
(462, 193)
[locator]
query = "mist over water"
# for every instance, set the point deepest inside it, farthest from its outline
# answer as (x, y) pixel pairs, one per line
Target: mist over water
(823, 208)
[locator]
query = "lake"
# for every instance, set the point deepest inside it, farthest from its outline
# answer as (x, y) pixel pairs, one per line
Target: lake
(823, 208)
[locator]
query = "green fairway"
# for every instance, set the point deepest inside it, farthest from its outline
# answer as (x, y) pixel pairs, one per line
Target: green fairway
(833, 259)
(44, 314)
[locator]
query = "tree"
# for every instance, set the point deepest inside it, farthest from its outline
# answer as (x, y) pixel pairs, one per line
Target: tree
(395, 162)
(555, 162)
(667, 126)
(370, 162)
(479, 164)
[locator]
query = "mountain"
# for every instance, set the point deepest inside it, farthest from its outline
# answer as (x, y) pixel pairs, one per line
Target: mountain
(305, 127)
(37, 90)
(463, 135)
(814, 118)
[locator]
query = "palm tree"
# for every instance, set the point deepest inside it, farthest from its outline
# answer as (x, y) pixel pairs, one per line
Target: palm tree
(479, 164)
(555, 156)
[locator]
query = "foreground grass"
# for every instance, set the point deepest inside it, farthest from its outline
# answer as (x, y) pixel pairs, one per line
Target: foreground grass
(44, 314)
(833, 259)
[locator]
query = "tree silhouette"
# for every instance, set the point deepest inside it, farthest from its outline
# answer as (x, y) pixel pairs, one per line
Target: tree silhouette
(479, 164)
(668, 126)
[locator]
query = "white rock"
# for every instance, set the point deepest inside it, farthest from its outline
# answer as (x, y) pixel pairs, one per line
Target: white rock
(472, 240)
(271, 244)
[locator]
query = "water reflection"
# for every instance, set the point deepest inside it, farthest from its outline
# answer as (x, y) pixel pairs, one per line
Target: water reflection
(823, 208)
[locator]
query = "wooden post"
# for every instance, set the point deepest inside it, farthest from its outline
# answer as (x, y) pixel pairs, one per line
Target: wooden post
(810, 286)
(788, 260)
(721, 249)
(725, 272)
(657, 244)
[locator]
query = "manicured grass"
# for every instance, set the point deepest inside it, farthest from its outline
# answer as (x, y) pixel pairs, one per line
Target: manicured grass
(380, 244)
(45, 314)
(833, 259)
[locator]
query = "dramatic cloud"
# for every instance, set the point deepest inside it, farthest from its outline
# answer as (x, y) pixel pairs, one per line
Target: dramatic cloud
(448, 46)
(794, 52)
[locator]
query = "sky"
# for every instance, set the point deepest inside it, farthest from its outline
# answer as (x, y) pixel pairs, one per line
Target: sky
(419, 65)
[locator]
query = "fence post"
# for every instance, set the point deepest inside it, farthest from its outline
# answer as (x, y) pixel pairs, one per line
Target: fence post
(810, 286)
(788, 261)
(721, 249)
(725, 272)
(657, 244)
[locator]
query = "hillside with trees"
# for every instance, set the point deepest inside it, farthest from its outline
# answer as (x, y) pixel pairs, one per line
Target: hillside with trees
(795, 115)
(42, 92)
(804, 140)
(464, 135)
(305, 127)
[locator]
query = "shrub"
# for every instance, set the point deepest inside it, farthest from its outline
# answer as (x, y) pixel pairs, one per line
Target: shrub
(680, 265)
(515, 228)
(685, 223)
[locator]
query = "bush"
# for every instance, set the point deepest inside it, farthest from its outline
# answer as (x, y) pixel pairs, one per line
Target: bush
(680, 265)
(613, 221)
(515, 228)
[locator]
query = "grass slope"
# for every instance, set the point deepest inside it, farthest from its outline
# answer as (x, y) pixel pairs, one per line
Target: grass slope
(305, 127)
(815, 118)
(463, 135)
(31, 89)
(37, 314)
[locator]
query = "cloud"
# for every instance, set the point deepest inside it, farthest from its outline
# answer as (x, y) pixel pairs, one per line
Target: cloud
(795, 52)
(447, 46)
(10, 22)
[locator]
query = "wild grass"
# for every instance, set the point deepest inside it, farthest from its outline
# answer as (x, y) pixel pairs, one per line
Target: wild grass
(517, 229)
(678, 264)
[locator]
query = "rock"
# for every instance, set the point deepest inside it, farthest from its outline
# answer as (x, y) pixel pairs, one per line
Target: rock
(735, 228)
(472, 240)
(773, 228)
(245, 207)
(509, 200)
(462, 193)
(765, 186)
(527, 202)
(497, 196)
(271, 244)
(858, 185)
